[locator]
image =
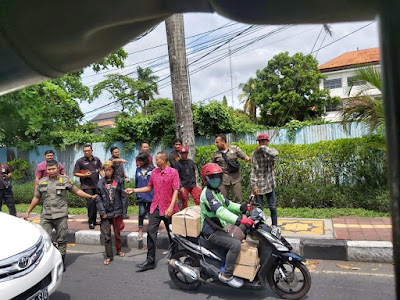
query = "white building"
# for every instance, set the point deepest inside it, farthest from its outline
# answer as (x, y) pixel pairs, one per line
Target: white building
(339, 73)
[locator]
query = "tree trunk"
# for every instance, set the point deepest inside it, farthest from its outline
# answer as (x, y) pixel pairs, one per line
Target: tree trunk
(144, 106)
(179, 81)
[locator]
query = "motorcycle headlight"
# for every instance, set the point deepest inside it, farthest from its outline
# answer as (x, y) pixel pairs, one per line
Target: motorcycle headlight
(46, 237)
(274, 241)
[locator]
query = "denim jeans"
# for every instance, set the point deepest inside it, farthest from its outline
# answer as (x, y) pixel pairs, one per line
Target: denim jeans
(271, 204)
(144, 207)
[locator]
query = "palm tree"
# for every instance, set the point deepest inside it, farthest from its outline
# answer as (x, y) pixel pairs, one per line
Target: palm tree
(246, 97)
(146, 86)
(363, 107)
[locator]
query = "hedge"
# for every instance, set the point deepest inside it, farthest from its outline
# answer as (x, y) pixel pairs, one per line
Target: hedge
(345, 173)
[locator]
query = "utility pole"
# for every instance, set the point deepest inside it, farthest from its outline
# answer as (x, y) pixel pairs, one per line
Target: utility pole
(179, 81)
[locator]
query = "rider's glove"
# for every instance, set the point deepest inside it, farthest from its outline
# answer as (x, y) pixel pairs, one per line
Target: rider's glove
(247, 221)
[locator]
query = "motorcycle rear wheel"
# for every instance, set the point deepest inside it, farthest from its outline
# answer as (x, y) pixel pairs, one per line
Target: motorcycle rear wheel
(177, 277)
(297, 282)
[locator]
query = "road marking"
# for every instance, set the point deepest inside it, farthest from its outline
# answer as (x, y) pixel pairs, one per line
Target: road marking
(362, 226)
(352, 273)
(302, 226)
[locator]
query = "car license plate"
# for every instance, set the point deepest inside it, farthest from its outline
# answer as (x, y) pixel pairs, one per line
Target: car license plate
(42, 294)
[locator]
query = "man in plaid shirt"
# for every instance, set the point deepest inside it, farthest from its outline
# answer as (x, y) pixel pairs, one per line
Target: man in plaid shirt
(262, 176)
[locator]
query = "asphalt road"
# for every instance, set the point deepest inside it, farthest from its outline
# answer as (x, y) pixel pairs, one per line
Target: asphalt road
(87, 278)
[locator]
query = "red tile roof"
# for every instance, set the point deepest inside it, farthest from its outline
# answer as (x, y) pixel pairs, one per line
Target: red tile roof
(352, 58)
(105, 123)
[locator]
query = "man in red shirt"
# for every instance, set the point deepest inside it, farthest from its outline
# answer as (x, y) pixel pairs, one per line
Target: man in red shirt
(165, 182)
(41, 170)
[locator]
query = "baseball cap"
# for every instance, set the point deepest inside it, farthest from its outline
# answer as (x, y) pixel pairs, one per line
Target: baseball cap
(262, 136)
(183, 149)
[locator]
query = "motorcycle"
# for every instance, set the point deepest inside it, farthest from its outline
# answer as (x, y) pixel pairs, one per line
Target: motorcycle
(195, 261)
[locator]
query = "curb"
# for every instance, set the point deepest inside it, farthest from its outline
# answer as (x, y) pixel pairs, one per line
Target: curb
(327, 249)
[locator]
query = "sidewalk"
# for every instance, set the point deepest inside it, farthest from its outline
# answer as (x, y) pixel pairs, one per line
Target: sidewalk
(353, 239)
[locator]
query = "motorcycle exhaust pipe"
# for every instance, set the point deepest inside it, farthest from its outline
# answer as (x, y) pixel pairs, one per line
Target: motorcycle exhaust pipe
(186, 270)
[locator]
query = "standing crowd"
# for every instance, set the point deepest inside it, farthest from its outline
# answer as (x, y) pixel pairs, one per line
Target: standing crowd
(158, 189)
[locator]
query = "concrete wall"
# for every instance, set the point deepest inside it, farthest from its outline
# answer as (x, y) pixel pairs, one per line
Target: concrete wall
(68, 157)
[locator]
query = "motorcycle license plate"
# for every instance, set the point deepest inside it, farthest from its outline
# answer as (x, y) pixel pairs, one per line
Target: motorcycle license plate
(42, 294)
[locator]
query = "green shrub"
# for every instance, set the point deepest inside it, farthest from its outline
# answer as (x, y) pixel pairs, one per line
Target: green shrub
(345, 173)
(21, 170)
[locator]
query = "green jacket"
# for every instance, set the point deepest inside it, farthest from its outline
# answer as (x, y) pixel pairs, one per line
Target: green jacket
(222, 211)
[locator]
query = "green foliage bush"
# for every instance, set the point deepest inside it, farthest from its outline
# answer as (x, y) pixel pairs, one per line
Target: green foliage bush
(342, 173)
(21, 170)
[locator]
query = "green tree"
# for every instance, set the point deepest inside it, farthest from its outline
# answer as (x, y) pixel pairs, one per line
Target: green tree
(363, 107)
(247, 97)
(36, 112)
(211, 119)
(44, 113)
(158, 125)
(288, 89)
(146, 86)
(121, 89)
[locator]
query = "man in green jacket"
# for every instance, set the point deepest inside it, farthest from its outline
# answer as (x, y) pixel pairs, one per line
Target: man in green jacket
(221, 211)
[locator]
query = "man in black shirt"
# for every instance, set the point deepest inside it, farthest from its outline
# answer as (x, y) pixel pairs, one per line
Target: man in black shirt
(187, 175)
(88, 168)
(174, 155)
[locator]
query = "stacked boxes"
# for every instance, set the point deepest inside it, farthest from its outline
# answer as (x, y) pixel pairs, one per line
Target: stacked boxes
(248, 261)
(187, 222)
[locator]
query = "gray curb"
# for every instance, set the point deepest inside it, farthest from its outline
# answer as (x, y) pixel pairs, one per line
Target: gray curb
(327, 249)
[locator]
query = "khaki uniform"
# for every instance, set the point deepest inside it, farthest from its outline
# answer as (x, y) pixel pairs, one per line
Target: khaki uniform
(53, 193)
(230, 180)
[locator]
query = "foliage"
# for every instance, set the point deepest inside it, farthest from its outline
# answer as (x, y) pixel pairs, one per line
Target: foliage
(115, 59)
(215, 117)
(288, 89)
(294, 126)
(121, 89)
(147, 86)
(21, 170)
(132, 129)
(362, 107)
(341, 173)
(35, 112)
(42, 114)
(247, 97)
(211, 119)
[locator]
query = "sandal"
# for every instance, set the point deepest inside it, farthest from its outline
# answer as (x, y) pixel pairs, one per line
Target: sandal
(139, 237)
(107, 261)
(122, 254)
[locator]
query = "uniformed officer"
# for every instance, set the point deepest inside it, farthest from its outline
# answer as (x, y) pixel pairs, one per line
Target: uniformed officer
(226, 156)
(53, 190)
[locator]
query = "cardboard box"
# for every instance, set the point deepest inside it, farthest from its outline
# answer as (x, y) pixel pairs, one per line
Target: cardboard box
(247, 262)
(187, 222)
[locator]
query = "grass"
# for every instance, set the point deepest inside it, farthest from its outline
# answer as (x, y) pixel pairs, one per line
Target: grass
(302, 212)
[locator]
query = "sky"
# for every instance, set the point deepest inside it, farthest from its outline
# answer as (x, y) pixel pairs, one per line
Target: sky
(214, 73)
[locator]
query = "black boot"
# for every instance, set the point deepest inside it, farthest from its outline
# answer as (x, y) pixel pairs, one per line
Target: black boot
(63, 259)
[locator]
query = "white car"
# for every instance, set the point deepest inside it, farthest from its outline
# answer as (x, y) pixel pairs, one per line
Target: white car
(30, 266)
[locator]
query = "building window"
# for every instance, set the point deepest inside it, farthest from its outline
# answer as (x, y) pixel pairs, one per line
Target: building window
(333, 83)
(352, 82)
(336, 107)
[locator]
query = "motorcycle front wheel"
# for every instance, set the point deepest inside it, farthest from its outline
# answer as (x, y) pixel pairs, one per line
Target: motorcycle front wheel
(177, 277)
(290, 280)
